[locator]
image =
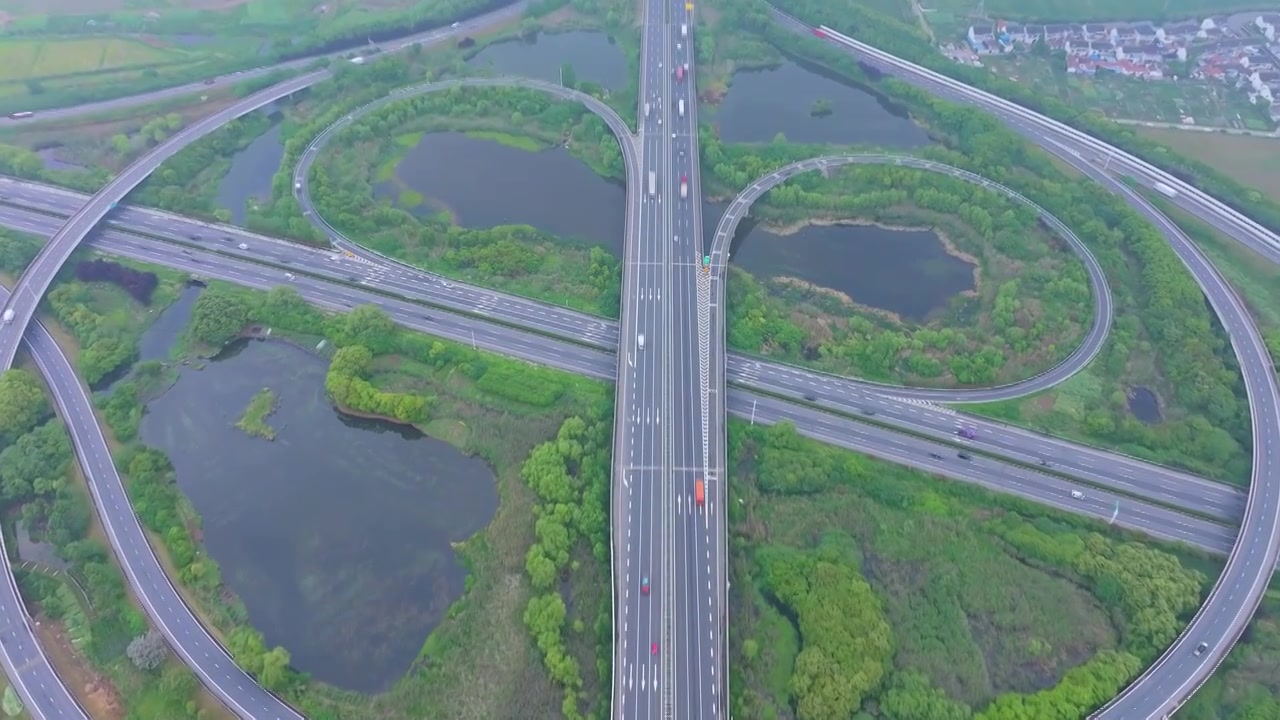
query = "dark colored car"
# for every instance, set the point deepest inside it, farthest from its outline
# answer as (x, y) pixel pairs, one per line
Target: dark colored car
(967, 433)
(963, 456)
(811, 398)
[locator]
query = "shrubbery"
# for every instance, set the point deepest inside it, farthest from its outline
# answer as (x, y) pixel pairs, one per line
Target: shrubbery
(138, 283)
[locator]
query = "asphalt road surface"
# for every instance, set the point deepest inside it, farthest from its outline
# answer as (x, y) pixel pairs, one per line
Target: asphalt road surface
(1226, 612)
(641, 493)
(1024, 482)
(224, 81)
(25, 664)
(1127, 475)
(698, 665)
(163, 605)
(1103, 307)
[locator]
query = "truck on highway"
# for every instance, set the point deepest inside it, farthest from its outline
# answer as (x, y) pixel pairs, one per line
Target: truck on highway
(684, 187)
(653, 183)
(684, 30)
(20, 115)
(699, 493)
(1165, 190)
(647, 108)
(8, 316)
(681, 107)
(357, 61)
(680, 74)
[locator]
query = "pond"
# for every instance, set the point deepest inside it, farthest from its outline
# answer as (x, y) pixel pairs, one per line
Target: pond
(336, 535)
(1144, 405)
(594, 57)
(250, 174)
(484, 183)
(762, 103)
(907, 272)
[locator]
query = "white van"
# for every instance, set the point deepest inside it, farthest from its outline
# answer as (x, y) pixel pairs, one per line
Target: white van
(640, 341)
(1077, 495)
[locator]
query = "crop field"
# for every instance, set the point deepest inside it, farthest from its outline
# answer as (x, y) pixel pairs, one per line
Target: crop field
(22, 60)
(1090, 10)
(1250, 160)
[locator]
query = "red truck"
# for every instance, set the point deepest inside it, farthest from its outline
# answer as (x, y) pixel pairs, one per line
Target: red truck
(699, 493)
(680, 74)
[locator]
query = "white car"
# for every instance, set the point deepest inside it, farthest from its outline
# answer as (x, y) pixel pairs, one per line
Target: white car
(640, 341)
(1077, 495)
(243, 246)
(455, 25)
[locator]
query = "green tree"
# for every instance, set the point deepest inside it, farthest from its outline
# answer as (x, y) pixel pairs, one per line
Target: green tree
(22, 403)
(218, 317)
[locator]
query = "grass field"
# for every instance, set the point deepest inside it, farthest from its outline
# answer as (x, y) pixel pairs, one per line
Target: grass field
(1250, 160)
(1090, 10)
(22, 60)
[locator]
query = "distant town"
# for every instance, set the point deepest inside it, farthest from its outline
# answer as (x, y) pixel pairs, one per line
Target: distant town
(1239, 50)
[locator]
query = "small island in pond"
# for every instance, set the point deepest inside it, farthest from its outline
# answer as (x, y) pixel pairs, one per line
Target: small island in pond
(254, 420)
(821, 108)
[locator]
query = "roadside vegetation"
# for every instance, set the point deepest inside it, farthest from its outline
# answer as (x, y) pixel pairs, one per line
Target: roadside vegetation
(89, 622)
(58, 54)
(518, 259)
(1164, 337)
(908, 41)
(865, 589)
(1249, 160)
(1027, 312)
(502, 646)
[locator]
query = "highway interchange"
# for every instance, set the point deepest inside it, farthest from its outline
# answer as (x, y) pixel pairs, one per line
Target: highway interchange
(1176, 676)
(220, 244)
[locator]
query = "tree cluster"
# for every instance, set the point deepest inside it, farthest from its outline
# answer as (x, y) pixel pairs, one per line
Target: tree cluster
(347, 383)
(570, 476)
(187, 182)
(218, 318)
(106, 343)
(23, 403)
(1148, 593)
(1160, 311)
(907, 41)
(148, 651)
(515, 256)
(138, 283)
(846, 641)
(157, 500)
(964, 345)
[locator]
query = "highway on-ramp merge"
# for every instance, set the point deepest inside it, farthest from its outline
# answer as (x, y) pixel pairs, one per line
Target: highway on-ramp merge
(640, 587)
(225, 81)
(697, 433)
(32, 676)
(1026, 482)
(189, 241)
(1225, 614)
(163, 605)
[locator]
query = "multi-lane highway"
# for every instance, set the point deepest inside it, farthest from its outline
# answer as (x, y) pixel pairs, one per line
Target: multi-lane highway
(302, 172)
(147, 580)
(1222, 619)
(697, 435)
(641, 493)
(1217, 626)
(35, 280)
(1024, 482)
(225, 81)
(1076, 361)
(1104, 469)
(29, 671)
